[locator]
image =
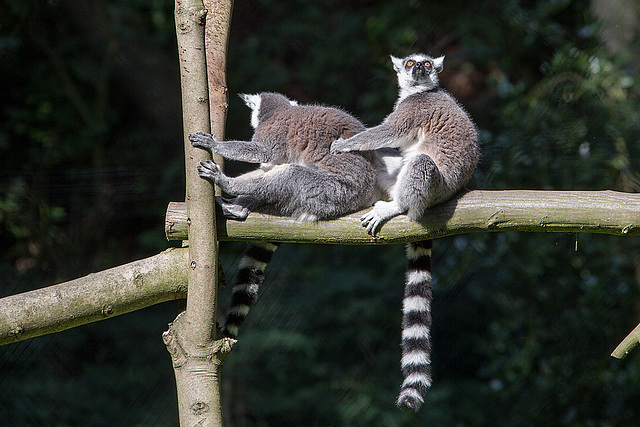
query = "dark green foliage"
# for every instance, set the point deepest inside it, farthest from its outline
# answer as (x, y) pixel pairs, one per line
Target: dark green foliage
(91, 152)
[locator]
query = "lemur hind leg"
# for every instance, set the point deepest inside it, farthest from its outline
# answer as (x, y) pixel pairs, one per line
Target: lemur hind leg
(250, 183)
(419, 186)
(293, 190)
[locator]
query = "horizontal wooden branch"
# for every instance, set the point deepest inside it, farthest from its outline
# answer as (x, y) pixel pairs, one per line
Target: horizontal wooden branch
(98, 296)
(163, 277)
(607, 212)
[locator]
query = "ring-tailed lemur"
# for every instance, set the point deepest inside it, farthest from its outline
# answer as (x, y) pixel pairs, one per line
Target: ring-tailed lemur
(298, 177)
(438, 142)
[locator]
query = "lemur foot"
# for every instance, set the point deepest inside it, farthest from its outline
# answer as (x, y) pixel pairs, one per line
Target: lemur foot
(381, 213)
(233, 210)
(209, 170)
(202, 140)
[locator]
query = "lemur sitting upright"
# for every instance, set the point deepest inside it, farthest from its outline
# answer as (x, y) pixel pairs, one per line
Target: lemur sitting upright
(298, 177)
(438, 142)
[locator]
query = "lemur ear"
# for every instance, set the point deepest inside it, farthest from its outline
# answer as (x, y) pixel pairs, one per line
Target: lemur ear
(252, 101)
(438, 63)
(397, 63)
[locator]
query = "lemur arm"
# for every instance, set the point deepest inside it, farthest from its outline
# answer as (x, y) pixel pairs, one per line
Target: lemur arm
(392, 132)
(246, 151)
(376, 137)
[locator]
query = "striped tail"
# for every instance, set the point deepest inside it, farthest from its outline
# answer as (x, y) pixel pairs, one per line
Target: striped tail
(254, 260)
(416, 326)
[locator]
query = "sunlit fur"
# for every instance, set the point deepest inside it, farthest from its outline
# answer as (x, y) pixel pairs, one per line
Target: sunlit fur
(298, 176)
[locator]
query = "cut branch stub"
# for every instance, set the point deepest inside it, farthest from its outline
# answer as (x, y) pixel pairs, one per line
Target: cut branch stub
(632, 340)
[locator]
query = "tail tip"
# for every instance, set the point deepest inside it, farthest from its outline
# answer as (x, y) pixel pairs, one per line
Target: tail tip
(409, 401)
(230, 331)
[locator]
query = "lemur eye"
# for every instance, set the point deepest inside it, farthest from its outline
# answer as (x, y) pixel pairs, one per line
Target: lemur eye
(427, 64)
(410, 63)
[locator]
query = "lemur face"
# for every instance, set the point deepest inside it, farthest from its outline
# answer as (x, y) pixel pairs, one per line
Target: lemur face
(418, 70)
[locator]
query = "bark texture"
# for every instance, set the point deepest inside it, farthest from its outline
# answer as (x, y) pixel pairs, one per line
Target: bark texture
(191, 339)
(606, 212)
(98, 296)
(216, 42)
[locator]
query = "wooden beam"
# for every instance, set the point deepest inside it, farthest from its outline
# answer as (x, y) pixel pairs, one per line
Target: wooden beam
(606, 212)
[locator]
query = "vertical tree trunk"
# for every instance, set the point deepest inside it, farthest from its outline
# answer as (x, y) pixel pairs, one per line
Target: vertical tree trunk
(191, 339)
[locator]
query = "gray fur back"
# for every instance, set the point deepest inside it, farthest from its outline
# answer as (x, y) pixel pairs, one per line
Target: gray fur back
(303, 133)
(298, 176)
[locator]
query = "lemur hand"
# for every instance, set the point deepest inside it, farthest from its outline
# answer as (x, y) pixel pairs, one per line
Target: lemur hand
(203, 140)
